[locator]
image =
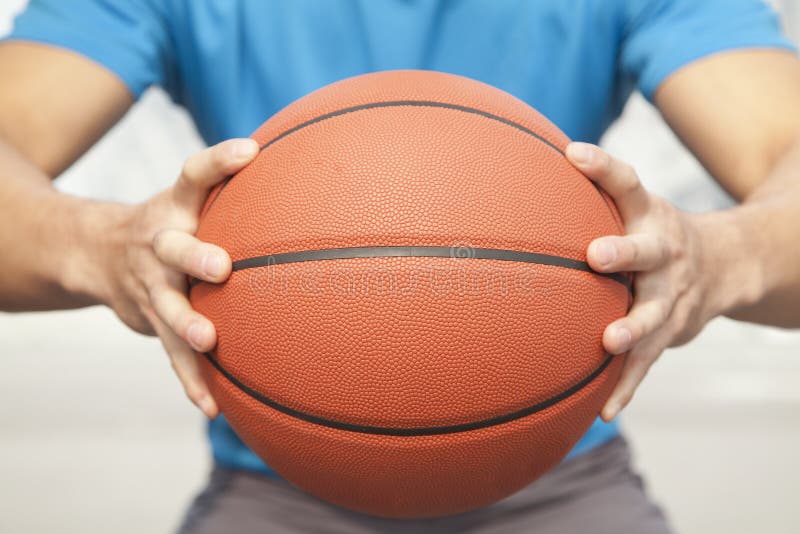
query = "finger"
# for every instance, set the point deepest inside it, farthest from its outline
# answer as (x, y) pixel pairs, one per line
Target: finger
(643, 319)
(617, 178)
(210, 166)
(184, 363)
(634, 252)
(635, 368)
(173, 308)
(185, 253)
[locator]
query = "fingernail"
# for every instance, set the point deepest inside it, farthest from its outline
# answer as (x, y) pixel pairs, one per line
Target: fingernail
(196, 335)
(213, 266)
(605, 253)
(611, 411)
(206, 404)
(245, 149)
(580, 153)
(623, 338)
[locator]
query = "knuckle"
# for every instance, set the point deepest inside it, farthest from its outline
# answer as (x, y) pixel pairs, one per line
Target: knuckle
(676, 249)
(629, 181)
(667, 248)
(163, 307)
(663, 207)
(155, 296)
(221, 155)
(160, 242)
(189, 167)
(604, 161)
(638, 330)
(625, 176)
(626, 169)
(182, 325)
(176, 312)
(663, 310)
(632, 250)
(648, 321)
(678, 326)
(190, 259)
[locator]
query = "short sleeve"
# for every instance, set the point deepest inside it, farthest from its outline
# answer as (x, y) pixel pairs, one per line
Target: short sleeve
(662, 36)
(128, 37)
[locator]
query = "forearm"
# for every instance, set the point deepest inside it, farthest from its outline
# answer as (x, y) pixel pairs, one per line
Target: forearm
(763, 249)
(52, 243)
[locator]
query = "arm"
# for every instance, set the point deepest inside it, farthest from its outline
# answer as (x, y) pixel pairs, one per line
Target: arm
(44, 268)
(60, 251)
(739, 112)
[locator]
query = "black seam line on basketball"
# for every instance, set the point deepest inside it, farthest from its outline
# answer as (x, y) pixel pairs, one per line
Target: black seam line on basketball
(413, 103)
(412, 431)
(389, 104)
(422, 252)
(611, 211)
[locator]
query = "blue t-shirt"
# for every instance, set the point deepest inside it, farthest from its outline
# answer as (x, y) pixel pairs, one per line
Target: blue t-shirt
(233, 64)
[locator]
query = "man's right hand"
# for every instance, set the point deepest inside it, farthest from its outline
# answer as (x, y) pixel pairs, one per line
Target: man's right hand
(61, 251)
(153, 251)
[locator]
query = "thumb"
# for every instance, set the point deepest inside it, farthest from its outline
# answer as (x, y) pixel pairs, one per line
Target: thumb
(208, 167)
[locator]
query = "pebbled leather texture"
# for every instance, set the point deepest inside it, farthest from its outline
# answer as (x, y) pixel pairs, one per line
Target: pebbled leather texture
(410, 342)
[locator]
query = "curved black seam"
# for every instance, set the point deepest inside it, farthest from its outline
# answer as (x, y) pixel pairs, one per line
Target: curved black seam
(423, 252)
(413, 103)
(388, 104)
(617, 222)
(408, 432)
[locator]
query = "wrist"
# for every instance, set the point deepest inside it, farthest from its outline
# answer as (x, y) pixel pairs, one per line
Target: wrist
(96, 240)
(733, 261)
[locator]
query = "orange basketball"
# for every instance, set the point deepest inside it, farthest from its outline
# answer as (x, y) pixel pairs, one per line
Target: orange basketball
(411, 328)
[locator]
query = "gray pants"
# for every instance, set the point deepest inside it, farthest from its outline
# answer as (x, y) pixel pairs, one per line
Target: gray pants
(596, 492)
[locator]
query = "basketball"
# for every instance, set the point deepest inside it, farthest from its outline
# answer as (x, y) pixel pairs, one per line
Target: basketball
(410, 328)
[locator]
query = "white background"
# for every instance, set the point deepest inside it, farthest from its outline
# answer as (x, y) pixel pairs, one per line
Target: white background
(96, 436)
